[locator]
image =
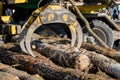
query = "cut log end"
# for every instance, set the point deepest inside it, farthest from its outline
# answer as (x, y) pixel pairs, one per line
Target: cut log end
(82, 62)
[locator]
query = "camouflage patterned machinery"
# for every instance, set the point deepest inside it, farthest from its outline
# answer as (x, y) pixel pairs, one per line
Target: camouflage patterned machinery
(51, 14)
(98, 23)
(78, 20)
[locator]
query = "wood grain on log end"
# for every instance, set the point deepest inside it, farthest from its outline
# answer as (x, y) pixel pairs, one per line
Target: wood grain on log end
(82, 62)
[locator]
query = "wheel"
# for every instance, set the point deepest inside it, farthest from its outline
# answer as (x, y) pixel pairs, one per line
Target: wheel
(104, 32)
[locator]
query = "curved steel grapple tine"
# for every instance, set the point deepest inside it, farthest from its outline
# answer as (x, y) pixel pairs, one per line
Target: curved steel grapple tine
(22, 46)
(22, 40)
(79, 34)
(73, 34)
(29, 33)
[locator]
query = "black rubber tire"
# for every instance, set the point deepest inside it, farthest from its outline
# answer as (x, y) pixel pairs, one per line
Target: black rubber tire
(99, 25)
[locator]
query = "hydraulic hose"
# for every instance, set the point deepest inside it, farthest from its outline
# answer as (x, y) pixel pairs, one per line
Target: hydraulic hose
(87, 25)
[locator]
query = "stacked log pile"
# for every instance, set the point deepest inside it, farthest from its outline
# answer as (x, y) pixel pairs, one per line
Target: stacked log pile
(55, 61)
(17, 74)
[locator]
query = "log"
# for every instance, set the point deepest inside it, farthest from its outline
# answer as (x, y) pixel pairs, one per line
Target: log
(8, 76)
(7, 46)
(114, 54)
(104, 63)
(10, 47)
(56, 54)
(44, 67)
(21, 74)
(69, 54)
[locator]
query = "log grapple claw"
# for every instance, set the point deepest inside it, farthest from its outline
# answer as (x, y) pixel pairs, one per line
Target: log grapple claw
(48, 15)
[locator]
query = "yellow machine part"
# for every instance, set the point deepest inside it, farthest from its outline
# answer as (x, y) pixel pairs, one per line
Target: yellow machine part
(16, 1)
(12, 29)
(1, 6)
(6, 19)
(87, 9)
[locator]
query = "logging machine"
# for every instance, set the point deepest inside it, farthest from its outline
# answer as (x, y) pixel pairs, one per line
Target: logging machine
(79, 20)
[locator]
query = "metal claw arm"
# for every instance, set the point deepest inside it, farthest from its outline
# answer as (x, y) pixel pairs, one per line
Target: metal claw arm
(48, 15)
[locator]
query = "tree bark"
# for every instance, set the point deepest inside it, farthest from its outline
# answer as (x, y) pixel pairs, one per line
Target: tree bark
(21, 74)
(45, 67)
(104, 63)
(69, 54)
(114, 54)
(64, 56)
(8, 76)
